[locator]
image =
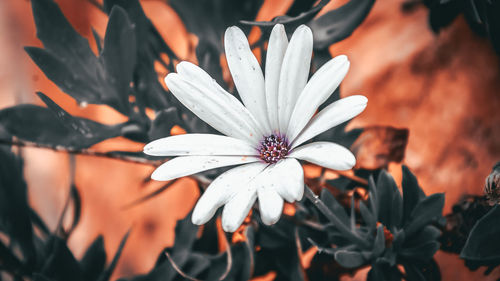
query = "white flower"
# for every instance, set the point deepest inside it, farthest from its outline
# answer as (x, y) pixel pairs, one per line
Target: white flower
(265, 133)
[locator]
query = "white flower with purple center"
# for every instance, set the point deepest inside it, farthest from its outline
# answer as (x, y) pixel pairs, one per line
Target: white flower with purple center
(264, 135)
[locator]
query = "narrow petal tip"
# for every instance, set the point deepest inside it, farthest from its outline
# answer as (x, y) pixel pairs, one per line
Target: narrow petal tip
(350, 161)
(341, 58)
(147, 148)
(170, 78)
(278, 28)
(305, 28)
(198, 218)
(230, 226)
(157, 175)
(182, 65)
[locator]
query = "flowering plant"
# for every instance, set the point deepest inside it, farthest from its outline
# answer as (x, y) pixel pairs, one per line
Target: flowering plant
(279, 117)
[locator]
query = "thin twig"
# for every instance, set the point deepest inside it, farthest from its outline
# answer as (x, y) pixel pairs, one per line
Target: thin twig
(351, 177)
(200, 179)
(229, 259)
(178, 269)
(149, 195)
(353, 237)
(88, 152)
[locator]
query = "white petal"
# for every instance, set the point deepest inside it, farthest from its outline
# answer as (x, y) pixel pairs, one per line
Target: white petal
(295, 71)
(199, 144)
(326, 154)
(222, 111)
(287, 178)
(236, 210)
(197, 76)
(317, 90)
(187, 165)
(336, 113)
(222, 189)
(276, 49)
(270, 204)
(247, 75)
(192, 72)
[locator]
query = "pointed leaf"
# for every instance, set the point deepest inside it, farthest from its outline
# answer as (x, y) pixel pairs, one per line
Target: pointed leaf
(482, 244)
(339, 24)
(94, 259)
(386, 187)
(379, 243)
(412, 193)
(427, 211)
(334, 205)
(107, 273)
(368, 217)
(349, 259)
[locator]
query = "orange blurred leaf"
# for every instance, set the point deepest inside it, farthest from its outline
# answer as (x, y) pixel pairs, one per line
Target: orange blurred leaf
(377, 146)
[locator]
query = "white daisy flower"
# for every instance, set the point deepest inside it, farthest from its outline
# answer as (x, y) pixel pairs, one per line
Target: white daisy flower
(264, 135)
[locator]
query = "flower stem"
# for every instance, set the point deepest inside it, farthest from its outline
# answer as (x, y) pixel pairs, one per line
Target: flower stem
(344, 229)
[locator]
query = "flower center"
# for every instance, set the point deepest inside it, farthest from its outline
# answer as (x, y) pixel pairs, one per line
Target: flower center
(273, 148)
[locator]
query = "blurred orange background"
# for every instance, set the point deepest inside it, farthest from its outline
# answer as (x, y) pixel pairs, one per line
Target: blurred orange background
(444, 88)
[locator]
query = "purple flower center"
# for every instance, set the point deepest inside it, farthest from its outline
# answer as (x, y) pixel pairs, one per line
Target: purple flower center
(273, 148)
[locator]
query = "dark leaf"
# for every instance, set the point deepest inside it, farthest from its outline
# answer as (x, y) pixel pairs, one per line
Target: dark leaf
(15, 212)
(107, 273)
(427, 211)
(379, 243)
(422, 252)
(384, 272)
(349, 259)
(98, 40)
(276, 236)
(208, 19)
(428, 234)
(290, 22)
(150, 47)
(209, 240)
(118, 56)
(332, 203)
(441, 14)
(412, 193)
(338, 24)
(396, 210)
(367, 216)
(74, 197)
(94, 260)
(386, 187)
(482, 244)
(54, 126)
(492, 23)
(60, 263)
(70, 63)
(414, 273)
(422, 271)
(209, 60)
(163, 123)
(61, 74)
(77, 208)
(37, 221)
(9, 260)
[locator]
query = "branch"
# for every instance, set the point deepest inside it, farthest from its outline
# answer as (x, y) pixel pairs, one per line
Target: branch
(200, 179)
(89, 152)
